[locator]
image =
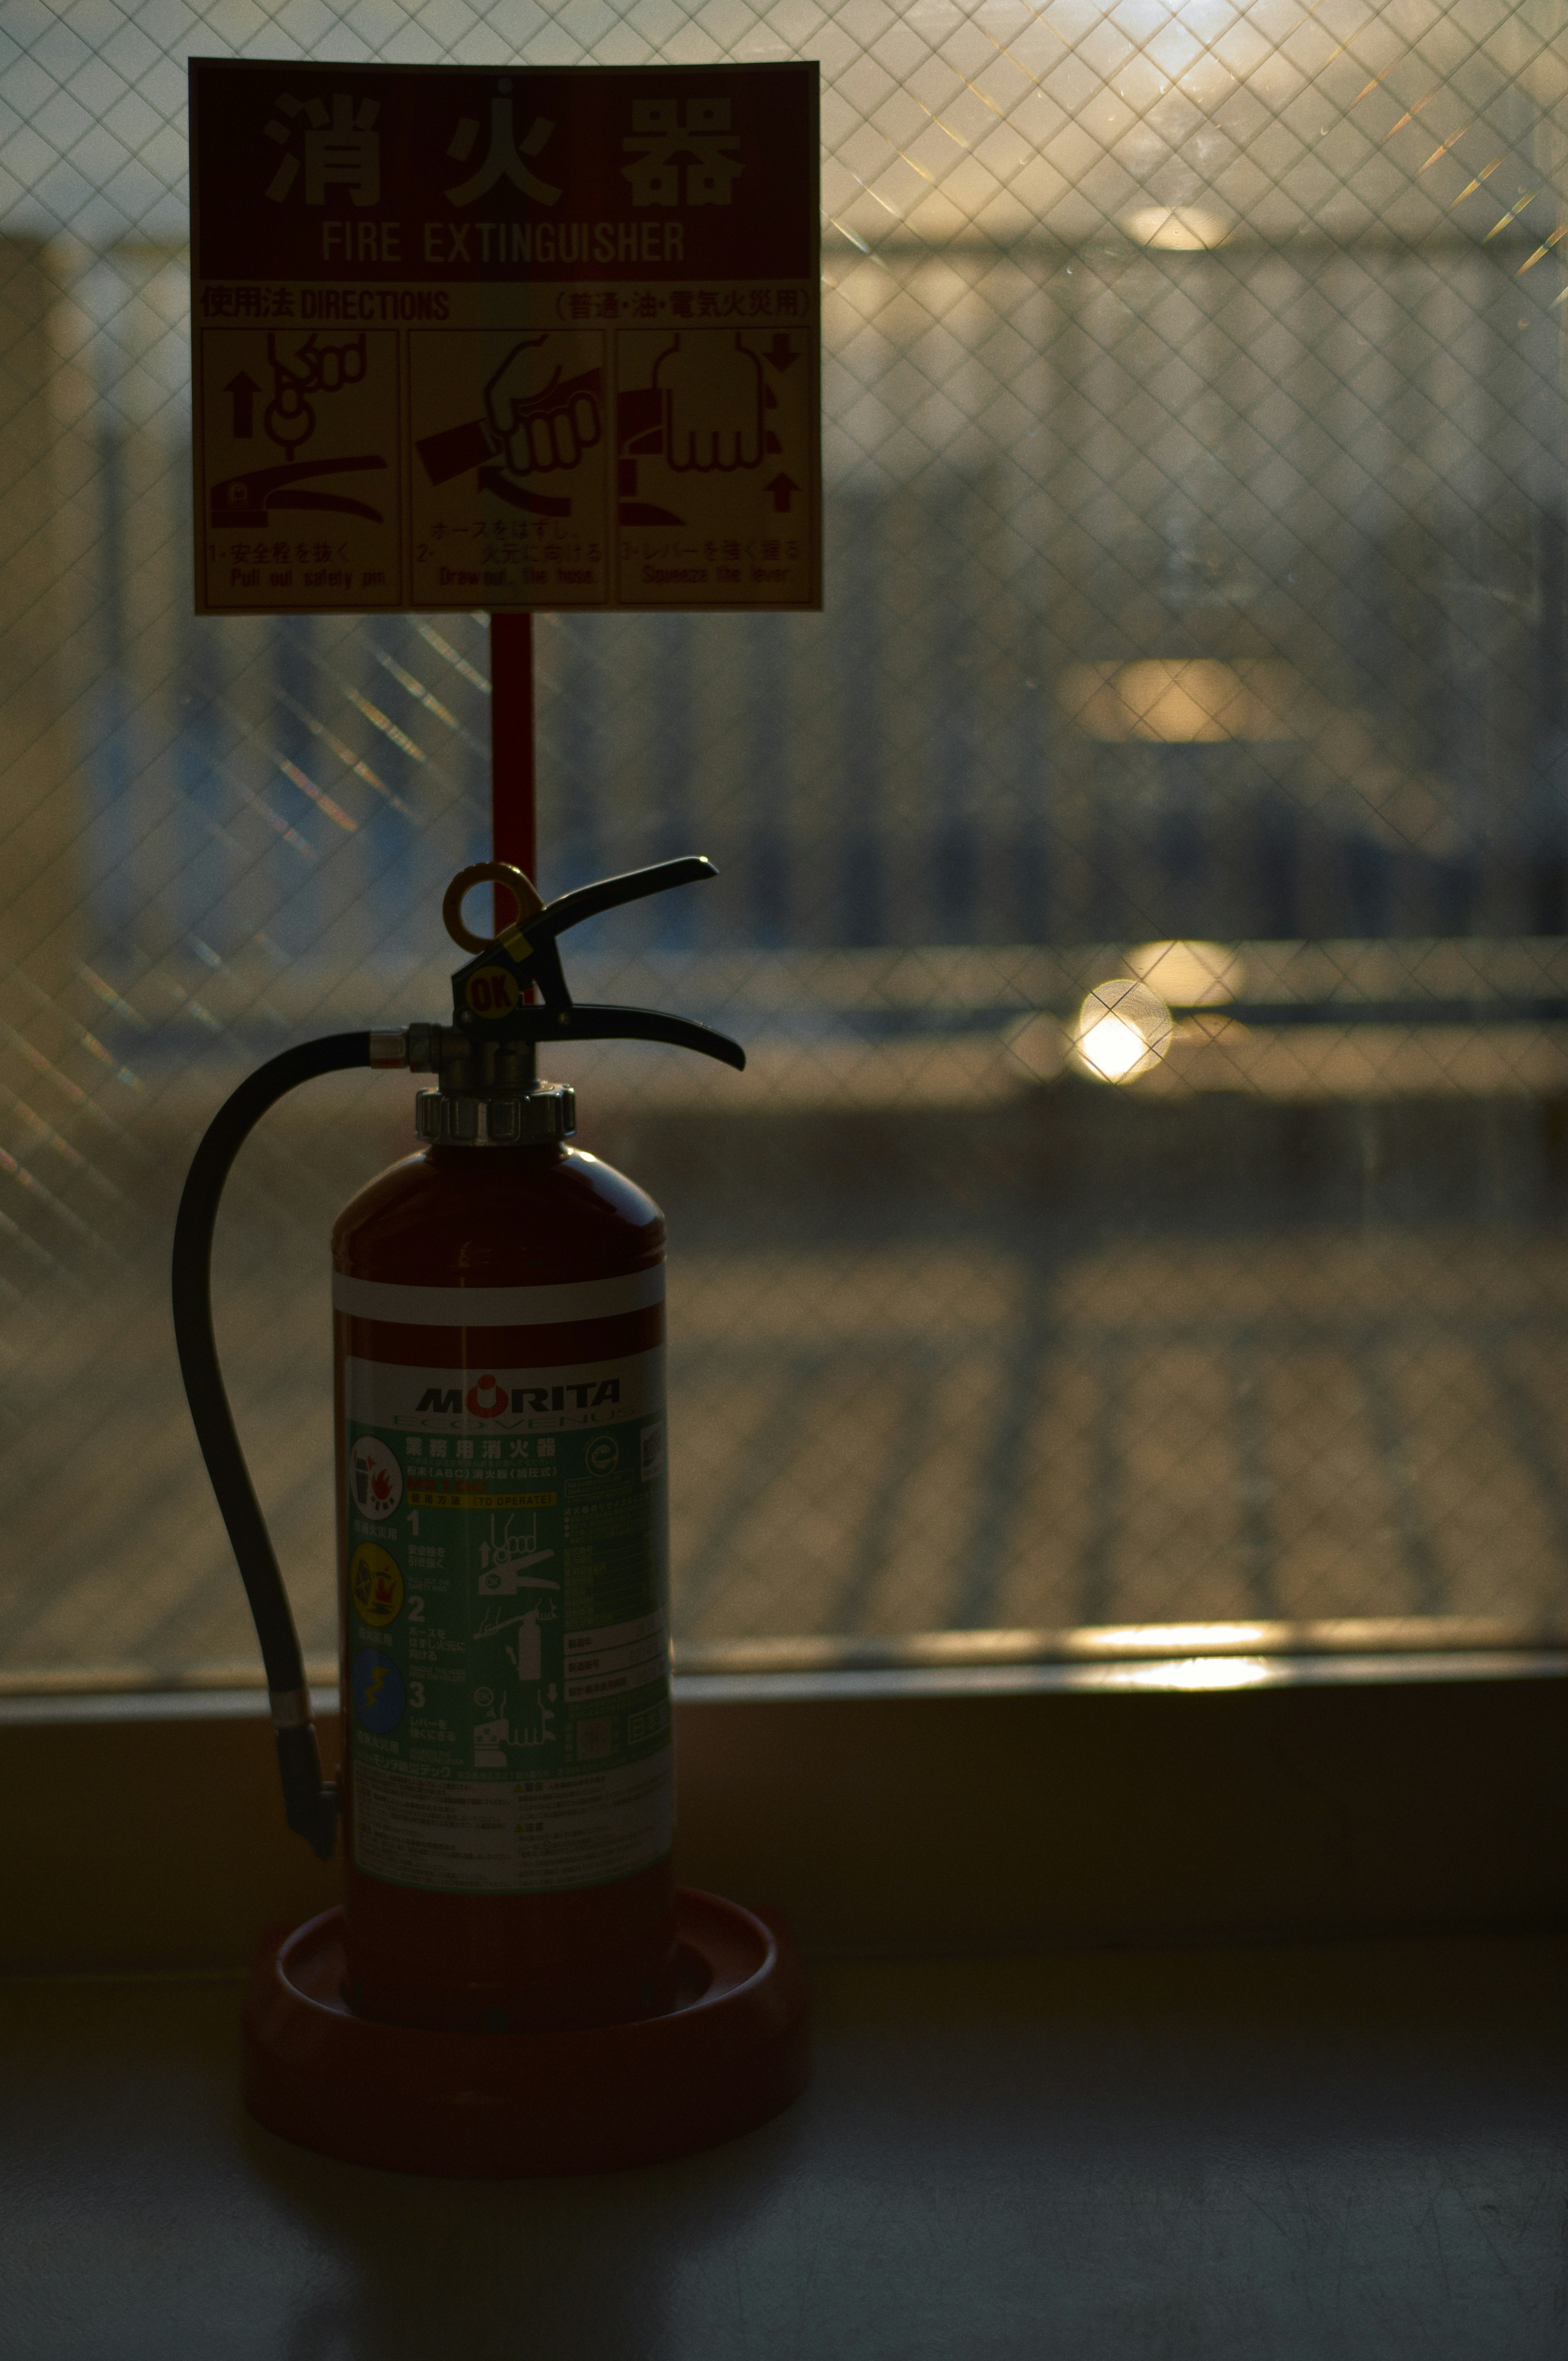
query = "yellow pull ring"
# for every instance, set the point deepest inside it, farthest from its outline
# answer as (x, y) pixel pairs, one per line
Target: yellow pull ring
(488, 872)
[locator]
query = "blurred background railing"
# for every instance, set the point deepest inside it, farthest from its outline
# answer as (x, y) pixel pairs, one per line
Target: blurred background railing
(1196, 615)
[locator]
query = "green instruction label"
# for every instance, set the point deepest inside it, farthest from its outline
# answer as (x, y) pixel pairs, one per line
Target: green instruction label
(508, 1639)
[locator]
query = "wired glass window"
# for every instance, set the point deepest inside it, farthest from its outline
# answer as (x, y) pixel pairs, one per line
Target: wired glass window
(1144, 887)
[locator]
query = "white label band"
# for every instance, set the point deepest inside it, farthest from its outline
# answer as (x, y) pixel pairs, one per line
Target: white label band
(450, 1836)
(496, 1307)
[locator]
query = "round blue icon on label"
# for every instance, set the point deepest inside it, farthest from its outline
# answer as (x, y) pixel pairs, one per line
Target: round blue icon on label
(377, 1688)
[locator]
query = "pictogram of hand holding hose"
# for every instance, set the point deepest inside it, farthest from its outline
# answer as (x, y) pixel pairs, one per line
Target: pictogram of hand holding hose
(537, 422)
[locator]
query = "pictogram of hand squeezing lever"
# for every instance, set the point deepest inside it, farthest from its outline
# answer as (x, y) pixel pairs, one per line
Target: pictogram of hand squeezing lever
(250, 500)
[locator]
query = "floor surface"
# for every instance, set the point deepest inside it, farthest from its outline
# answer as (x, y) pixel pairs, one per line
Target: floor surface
(1353, 2152)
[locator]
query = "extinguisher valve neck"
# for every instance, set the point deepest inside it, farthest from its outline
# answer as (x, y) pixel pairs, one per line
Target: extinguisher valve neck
(531, 1118)
(422, 1048)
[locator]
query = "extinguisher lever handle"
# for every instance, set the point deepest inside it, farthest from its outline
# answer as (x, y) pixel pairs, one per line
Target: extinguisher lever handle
(602, 1021)
(609, 893)
(493, 997)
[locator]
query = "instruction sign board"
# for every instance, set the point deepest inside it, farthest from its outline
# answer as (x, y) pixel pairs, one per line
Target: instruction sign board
(511, 338)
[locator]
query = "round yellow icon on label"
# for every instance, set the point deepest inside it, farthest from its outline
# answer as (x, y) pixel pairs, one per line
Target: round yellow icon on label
(375, 1584)
(492, 992)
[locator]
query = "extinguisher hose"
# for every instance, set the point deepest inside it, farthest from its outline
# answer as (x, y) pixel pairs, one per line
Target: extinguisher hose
(310, 1803)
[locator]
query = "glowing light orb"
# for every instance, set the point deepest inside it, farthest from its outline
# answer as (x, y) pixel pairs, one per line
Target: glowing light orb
(1124, 1029)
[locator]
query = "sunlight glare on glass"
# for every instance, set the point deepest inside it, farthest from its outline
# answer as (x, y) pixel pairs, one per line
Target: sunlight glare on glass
(1177, 229)
(1190, 974)
(1202, 1672)
(1183, 700)
(1124, 1029)
(1112, 1048)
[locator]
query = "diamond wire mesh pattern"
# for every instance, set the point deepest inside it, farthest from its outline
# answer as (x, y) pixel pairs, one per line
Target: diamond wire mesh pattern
(1197, 577)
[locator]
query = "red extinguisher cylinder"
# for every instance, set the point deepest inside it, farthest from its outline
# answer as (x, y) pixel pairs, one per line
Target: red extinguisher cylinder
(506, 1781)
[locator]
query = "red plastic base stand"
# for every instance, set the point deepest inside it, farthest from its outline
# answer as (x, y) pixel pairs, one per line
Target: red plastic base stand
(732, 2051)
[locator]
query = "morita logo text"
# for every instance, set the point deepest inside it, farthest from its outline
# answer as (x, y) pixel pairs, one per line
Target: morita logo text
(489, 1400)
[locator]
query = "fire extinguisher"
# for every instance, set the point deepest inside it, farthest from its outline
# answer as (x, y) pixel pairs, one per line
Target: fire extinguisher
(511, 1958)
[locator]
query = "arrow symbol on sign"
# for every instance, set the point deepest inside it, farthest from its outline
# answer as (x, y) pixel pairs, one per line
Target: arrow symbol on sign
(783, 490)
(245, 390)
(781, 352)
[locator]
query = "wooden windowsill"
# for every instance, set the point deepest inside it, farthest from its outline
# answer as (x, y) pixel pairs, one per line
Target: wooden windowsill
(890, 1812)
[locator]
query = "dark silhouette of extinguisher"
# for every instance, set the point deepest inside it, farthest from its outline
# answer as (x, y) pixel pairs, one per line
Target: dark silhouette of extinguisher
(507, 1790)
